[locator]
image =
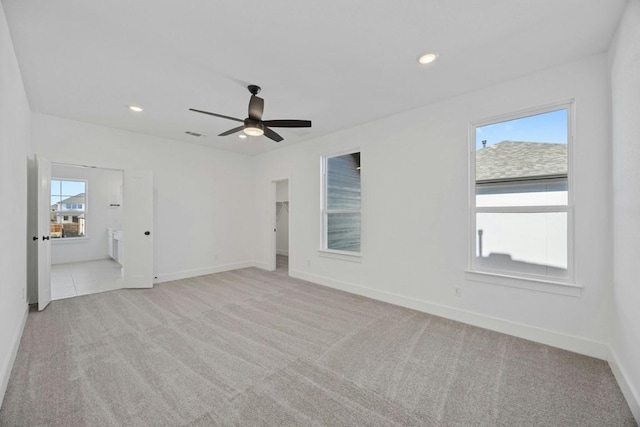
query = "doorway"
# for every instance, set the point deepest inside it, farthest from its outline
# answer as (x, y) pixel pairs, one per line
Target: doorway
(281, 221)
(86, 217)
(97, 223)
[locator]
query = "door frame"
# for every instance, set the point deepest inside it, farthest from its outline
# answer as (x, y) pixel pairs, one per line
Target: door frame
(33, 292)
(43, 234)
(273, 221)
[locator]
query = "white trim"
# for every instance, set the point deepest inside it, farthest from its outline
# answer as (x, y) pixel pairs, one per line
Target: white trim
(273, 219)
(569, 105)
(629, 392)
(68, 240)
(85, 210)
(545, 108)
(521, 282)
(544, 336)
(324, 212)
(272, 199)
(5, 373)
(261, 265)
(523, 209)
(186, 274)
(343, 255)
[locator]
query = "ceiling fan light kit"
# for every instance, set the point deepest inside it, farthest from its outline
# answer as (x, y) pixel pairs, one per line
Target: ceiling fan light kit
(253, 128)
(254, 125)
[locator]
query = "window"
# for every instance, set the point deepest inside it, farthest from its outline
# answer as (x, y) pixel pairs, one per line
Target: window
(521, 210)
(341, 203)
(68, 208)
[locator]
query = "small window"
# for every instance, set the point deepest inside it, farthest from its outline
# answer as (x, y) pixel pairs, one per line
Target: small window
(341, 203)
(68, 213)
(521, 211)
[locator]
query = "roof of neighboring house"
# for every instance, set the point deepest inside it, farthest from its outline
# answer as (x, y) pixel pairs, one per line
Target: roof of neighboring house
(78, 198)
(517, 161)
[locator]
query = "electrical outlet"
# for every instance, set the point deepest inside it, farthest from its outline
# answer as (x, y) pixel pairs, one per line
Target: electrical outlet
(458, 291)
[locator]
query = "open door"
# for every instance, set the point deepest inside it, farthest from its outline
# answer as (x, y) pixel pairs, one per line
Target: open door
(43, 236)
(279, 199)
(138, 229)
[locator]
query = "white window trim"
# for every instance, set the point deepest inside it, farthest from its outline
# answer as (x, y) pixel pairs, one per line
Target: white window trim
(323, 250)
(564, 286)
(86, 236)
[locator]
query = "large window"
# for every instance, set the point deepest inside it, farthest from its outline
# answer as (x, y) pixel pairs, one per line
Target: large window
(68, 208)
(341, 203)
(521, 211)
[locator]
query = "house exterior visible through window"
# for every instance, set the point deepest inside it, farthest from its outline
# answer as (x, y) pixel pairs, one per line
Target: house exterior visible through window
(341, 192)
(68, 208)
(521, 210)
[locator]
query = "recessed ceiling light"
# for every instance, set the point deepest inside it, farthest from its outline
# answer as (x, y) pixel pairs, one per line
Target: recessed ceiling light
(427, 58)
(242, 136)
(135, 108)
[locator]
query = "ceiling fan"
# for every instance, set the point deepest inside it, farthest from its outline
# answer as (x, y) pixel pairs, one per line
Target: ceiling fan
(254, 125)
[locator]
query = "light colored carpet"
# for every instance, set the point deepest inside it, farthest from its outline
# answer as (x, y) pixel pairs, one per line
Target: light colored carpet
(254, 348)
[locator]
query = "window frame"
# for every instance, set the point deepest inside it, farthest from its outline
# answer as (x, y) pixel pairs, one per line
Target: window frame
(85, 211)
(569, 208)
(324, 211)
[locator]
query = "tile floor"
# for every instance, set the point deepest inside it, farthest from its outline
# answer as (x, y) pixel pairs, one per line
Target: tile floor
(84, 278)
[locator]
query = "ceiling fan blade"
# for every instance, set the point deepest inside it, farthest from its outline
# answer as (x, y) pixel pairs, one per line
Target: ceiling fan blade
(256, 107)
(272, 135)
(230, 131)
(216, 115)
(288, 123)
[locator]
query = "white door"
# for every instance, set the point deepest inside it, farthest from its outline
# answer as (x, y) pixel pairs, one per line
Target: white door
(44, 237)
(138, 229)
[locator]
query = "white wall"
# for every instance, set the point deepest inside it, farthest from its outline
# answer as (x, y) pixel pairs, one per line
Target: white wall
(415, 223)
(104, 187)
(201, 209)
(14, 147)
(625, 79)
(282, 221)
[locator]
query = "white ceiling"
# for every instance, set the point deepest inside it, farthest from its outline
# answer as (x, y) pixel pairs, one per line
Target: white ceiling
(338, 64)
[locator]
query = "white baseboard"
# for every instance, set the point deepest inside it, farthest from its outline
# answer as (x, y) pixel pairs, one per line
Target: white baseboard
(628, 390)
(282, 252)
(5, 373)
(179, 275)
(543, 336)
(262, 265)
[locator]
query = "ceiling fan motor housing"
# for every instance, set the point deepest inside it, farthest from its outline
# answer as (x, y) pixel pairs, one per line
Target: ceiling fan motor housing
(250, 123)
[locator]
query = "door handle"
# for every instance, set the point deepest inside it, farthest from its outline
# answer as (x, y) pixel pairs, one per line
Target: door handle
(146, 233)
(35, 238)
(45, 237)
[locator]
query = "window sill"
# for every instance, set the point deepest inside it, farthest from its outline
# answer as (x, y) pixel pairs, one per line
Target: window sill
(68, 240)
(345, 256)
(540, 285)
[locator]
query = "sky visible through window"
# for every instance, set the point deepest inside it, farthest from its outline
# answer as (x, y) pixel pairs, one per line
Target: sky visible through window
(546, 127)
(62, 189)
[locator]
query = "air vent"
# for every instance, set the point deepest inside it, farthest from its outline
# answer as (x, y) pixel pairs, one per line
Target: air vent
(196, 134)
